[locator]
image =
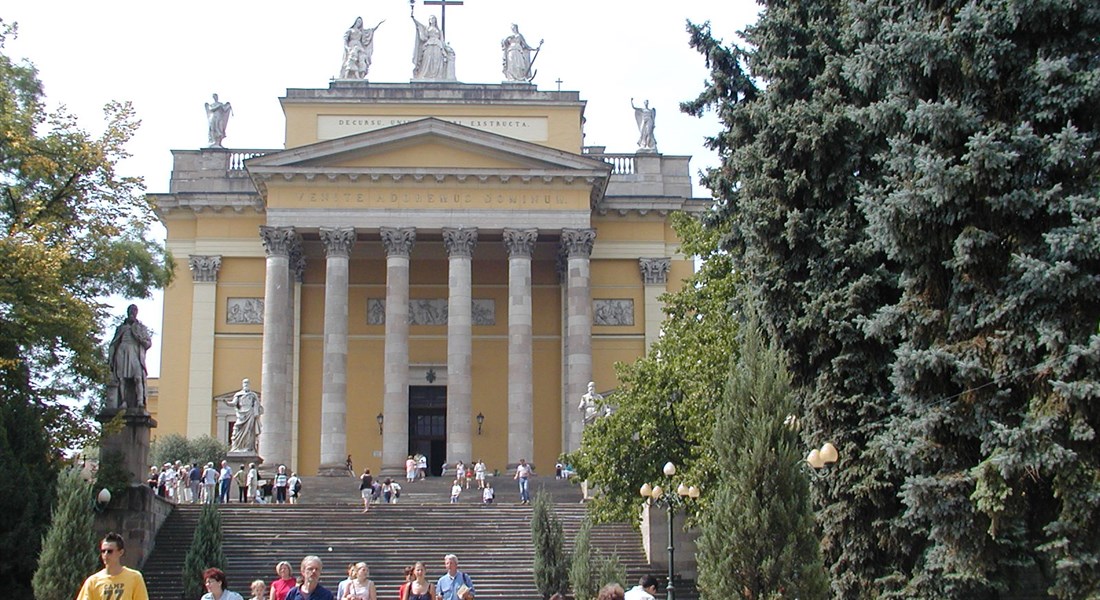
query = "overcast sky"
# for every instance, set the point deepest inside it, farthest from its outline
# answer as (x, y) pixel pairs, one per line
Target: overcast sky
(168, 58)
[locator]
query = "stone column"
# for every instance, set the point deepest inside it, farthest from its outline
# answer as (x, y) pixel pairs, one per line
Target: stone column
(395, 398)
(577, 244)
(460, 243)
(293, 342)
(275, 438)
(654, 276)
(521, 394)
(200, 381)
(338, 242)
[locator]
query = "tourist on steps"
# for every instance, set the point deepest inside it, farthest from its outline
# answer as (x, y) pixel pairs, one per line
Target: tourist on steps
(418, 588)
(310, 588)
(215, 581)
(455, 584)
(366, 488)
(284, 583)
(360, 587)
(258, 589)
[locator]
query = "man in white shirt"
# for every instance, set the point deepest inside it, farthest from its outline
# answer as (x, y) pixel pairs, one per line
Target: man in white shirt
(645, 590)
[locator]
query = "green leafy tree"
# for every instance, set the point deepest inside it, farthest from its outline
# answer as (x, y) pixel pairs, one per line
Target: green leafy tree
(551, 567)
(206, 449)
(71, 232)
(758, 539)
(170, 448)
(205, 551)
(582, 577)
(664, 405)
(69, 549)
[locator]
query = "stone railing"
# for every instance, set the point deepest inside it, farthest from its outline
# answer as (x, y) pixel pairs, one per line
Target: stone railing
(237, 157)
(621, 164)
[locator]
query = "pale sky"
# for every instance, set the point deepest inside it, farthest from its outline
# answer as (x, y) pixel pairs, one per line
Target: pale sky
(169, 57)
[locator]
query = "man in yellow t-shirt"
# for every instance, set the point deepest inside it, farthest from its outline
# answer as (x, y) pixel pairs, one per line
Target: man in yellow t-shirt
(114, 582)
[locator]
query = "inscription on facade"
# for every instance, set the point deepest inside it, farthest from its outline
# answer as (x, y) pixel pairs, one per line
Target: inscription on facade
(443, 199)
(613, 312)
(531, 129)
(432, 311)
(244, 311)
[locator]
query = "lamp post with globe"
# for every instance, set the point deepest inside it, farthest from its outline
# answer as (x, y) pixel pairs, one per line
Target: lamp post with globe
(672, 497)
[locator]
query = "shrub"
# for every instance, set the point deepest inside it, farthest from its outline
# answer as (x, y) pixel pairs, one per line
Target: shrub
(68, 548)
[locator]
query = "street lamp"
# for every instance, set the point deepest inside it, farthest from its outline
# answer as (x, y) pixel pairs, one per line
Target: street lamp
(827, 455)
(102, 499)
(671, 499)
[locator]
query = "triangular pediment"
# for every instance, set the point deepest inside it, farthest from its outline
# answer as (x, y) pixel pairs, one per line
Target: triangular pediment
(426, 145)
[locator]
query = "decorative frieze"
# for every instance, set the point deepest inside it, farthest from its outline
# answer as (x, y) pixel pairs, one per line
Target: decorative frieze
(398, 241)
(615, 312)
(432, 311)
(244, 311)
(337, 240)
(460, 241)
(520, 242)
(654, 270)
(204, 269)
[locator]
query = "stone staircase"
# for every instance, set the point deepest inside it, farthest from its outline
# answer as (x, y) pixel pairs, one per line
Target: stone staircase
(493, 542)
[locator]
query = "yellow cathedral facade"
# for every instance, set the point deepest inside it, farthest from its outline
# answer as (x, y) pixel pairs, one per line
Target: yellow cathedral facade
(427, 267)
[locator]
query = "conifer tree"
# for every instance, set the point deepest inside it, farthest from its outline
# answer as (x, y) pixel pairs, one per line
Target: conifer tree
(551, 566)
(758, 538)
(582, 577)
(69, 549)
(205, 551)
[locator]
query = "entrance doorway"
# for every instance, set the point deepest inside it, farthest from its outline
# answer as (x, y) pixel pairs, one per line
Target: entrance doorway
(428, 424)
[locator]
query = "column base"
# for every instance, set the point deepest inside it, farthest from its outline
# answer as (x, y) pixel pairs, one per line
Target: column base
(237, 457)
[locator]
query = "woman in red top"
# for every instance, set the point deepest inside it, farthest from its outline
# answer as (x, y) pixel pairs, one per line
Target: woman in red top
(282, 586)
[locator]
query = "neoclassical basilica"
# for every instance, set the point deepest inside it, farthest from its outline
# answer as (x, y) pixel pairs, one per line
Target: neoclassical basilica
(428, 267)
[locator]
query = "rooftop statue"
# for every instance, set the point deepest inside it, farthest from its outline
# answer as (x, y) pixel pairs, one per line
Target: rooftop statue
(517, 56)
(432, 56)
(217, 117)
(645, 117)
(358, 48)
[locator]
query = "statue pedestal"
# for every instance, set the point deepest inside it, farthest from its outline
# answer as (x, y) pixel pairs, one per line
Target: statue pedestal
(244, 457)
(126, 433)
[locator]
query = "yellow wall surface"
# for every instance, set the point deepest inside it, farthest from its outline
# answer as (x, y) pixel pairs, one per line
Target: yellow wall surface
(175, 357)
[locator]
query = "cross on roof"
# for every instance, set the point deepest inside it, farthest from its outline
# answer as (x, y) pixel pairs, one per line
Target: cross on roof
(442, 4)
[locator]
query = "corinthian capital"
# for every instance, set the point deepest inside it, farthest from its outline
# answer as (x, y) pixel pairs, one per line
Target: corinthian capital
(460, 241)
(577, 243)
(520, 242)
(398, 241)
(338, 240)
(278, 240)
(204, 269)
(654, 270)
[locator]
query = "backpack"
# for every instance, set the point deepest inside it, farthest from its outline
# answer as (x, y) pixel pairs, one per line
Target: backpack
(297, 486)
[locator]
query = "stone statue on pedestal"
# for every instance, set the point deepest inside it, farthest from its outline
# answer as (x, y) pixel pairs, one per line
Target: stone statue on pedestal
(645, 117)
(590, 404)
(247, 429)
(217, 117)
(126, 355)
(358, 48)
(517, 56)
(432, 56)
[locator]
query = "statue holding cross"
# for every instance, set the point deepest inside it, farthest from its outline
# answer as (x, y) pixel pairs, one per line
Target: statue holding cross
(433, 57)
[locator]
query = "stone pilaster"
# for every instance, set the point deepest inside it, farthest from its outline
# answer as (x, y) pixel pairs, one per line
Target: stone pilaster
(577, 244)
(655, 277)
(338, 242)
(398, 243)
(460, 243)
(200, 381)
(521, 395)
(275, 437)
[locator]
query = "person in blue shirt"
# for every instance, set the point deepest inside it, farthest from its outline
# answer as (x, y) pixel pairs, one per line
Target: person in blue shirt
(452, 583)
(311, 588)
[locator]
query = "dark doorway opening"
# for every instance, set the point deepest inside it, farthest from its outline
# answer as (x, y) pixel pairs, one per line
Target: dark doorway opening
(428, 424)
